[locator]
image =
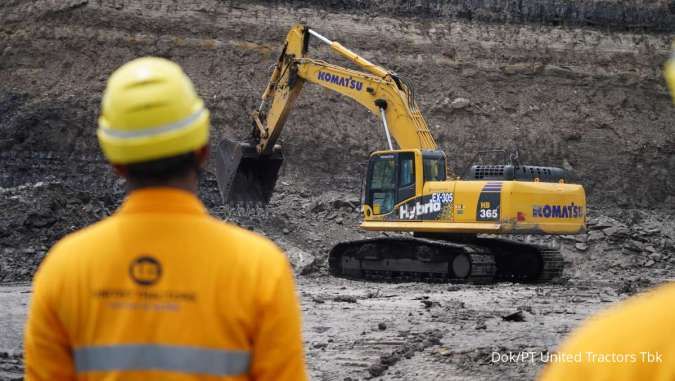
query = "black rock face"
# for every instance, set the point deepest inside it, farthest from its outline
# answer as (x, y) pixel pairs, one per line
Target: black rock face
(656, 16)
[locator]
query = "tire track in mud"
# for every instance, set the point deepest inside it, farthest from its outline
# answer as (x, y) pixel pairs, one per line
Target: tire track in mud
(414, 343)
(436, 332)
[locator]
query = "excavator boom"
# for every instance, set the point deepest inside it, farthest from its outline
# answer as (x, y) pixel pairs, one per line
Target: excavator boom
(247, 171)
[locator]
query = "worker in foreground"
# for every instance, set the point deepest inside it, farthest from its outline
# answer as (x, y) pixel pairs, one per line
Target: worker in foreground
(160, 290)
(633, 341)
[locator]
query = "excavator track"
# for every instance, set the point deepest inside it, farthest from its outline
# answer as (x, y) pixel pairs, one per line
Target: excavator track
(523, 262)
(480, 260)
(411, 259)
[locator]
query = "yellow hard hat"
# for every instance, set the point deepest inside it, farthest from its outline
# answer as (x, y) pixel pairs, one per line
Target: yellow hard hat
(669, 73)
(150, 110)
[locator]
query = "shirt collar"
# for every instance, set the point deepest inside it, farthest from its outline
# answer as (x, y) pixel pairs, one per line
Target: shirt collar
(162, 200)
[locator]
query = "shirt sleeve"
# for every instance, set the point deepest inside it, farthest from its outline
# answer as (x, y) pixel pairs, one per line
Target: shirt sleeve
(47, 350)
(277, 347)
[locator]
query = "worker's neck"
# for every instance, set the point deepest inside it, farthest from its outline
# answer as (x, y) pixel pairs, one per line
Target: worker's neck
(189, 184)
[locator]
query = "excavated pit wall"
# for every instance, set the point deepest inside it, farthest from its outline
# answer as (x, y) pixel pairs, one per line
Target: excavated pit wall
(623, 15)
(572, 84)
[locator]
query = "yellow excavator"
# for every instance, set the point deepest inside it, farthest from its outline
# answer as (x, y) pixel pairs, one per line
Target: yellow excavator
(408, 188)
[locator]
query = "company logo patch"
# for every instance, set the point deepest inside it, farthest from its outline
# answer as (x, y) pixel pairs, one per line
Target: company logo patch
(340, 81)
(558, 211)
(145, 271)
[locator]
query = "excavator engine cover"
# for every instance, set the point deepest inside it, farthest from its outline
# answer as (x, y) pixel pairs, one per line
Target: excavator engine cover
(519, 173)
(243, 174)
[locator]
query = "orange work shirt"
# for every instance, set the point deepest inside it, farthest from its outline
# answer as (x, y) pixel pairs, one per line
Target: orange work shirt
(631, 341)
(161, 290)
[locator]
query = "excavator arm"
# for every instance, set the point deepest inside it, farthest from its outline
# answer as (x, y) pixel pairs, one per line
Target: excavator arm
(247, 171)
(380, 91)
(381, 96)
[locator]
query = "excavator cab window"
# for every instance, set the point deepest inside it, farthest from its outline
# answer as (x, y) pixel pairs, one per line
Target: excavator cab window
(434, 168)
(406, 170)
(391, 180)
(381, 193)
(406, 176)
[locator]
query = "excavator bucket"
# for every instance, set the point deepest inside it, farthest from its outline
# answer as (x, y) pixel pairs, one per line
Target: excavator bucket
(243, 174)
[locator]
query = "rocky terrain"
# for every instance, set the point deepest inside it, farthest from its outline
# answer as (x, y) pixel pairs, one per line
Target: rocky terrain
(570, 84)
(360, 330)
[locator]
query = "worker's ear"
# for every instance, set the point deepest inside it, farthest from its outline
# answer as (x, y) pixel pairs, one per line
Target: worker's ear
(202, 155)
(121, 170)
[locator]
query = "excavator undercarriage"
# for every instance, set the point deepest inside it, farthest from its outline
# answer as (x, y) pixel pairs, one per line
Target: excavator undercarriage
(477, 260)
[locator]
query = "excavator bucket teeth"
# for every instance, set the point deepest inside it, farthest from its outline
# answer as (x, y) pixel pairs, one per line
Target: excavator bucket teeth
(243, 174)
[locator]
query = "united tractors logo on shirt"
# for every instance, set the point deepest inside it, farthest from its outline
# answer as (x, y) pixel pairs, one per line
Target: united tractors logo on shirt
(145, 270)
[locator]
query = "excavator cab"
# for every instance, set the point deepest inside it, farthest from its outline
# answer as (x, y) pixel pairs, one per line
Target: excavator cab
(396, 176)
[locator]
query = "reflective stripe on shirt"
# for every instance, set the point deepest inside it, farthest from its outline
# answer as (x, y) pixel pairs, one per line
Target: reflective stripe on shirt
(183, 359)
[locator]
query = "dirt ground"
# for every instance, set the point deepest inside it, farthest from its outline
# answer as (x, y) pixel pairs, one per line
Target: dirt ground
(362, 330)
(406, 331)
(575, 85)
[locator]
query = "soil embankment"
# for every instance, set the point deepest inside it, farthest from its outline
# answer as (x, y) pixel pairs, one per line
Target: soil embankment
(570, 84)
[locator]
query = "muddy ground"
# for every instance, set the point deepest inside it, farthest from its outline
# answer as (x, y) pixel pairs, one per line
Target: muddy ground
(571, 84)
(361, 331)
